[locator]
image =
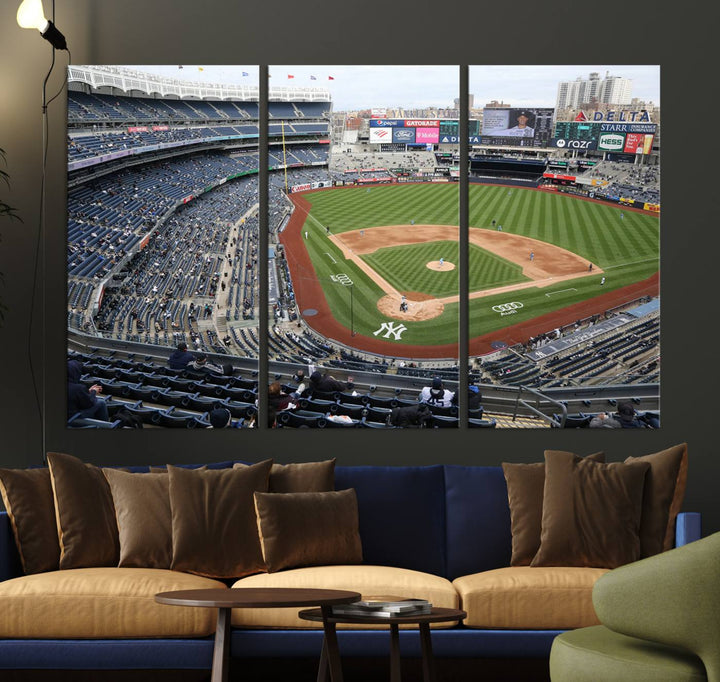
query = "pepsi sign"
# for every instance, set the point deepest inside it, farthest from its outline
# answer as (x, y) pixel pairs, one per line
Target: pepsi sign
(385, 123)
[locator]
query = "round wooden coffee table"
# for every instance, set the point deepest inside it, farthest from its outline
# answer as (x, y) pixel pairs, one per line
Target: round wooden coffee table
(257, 598)
(330, 650)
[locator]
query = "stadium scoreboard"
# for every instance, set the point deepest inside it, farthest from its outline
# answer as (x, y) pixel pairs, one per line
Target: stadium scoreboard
(517, 127)
(620, 137)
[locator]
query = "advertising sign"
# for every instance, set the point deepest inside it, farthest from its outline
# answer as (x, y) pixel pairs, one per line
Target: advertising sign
(454, 139)
(611, 142)
(385, 122)
(427, 135)
(405, 135)
(422, 123)
(378, 135)
(565, 143)
(634, 143)
(646, 128)
(638, 144)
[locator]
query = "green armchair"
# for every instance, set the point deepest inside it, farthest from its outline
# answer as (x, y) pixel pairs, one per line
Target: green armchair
(660, 622)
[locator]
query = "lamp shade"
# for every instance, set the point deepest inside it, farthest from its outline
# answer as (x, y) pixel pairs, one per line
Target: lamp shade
(30, 14)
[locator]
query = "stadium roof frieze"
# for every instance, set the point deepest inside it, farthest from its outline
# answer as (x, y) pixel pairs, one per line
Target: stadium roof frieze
(129, 80)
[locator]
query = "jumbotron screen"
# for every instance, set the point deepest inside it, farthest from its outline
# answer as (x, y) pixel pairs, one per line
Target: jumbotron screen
(517, 127)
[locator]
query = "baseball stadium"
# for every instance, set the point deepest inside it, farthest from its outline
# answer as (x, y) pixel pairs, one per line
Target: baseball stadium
(364, 255)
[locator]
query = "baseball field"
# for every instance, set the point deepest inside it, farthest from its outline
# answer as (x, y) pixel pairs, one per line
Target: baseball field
(377, 268)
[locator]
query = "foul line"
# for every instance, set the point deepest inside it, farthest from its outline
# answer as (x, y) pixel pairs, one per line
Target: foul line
(635, 262)
(561, 291)
(329, 255)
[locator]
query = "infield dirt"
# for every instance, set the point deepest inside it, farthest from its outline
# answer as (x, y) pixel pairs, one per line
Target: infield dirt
(549, 263)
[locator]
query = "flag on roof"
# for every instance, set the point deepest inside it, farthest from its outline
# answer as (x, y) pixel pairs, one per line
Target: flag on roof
(331, 78)
(200, 68)
(313, 78)
(245, 73)
(290, 76)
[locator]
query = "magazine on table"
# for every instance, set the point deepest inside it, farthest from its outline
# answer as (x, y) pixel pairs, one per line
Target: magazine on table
(383, 607)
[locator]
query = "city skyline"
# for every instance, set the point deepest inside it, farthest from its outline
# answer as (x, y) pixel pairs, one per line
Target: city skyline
(359, 87)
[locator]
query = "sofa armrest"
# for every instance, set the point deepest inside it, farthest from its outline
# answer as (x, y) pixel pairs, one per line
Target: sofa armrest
(672, 598)
(688, 528)
(10, 566)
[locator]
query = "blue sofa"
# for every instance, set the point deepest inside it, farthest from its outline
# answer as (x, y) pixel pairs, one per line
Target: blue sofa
(448, 521)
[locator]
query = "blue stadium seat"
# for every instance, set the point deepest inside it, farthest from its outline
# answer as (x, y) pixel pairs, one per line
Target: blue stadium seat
(482, 423)
(441, 422)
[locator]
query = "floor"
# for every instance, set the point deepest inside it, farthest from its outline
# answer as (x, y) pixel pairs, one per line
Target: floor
(305, 670)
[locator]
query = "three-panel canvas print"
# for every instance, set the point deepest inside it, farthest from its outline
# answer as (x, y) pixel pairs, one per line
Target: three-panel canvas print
(318, 260)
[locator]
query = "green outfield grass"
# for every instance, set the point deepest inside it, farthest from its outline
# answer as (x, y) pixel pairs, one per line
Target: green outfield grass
(405, 267)
(626, 248)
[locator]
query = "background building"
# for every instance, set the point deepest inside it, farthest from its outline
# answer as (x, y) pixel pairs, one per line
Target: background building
(588, 91)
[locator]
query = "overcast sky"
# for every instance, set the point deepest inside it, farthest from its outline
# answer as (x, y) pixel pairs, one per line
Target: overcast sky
(363, 87)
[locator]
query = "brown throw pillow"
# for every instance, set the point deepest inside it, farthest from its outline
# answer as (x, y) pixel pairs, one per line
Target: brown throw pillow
(85, 514)
(142, 508)
(662, 498)
(28, 498)
(301, 477)
(214, 532)
(525, 484)
(308, 529)
(591, 512)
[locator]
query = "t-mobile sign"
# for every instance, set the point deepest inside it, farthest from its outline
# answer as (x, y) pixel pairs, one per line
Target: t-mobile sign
(427, 135)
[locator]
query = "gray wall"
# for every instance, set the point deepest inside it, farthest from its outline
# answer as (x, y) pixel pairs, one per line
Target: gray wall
(225, 32)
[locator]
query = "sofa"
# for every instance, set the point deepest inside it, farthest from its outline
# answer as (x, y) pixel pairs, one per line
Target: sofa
(442, 532)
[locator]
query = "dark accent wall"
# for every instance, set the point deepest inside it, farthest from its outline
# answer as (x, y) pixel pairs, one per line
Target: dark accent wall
(315, 32)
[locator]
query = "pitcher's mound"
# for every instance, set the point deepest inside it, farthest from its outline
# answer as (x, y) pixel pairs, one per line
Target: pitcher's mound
(436, 265)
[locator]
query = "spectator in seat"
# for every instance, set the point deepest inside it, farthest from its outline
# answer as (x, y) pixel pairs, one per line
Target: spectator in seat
(220, 418)
(180, 357)
(436, 394)
(627, 417)
(82, 400)
(474, 398)
(604, 421)
(201, 364)
(328, 384)
(301, 390)
(278, 400)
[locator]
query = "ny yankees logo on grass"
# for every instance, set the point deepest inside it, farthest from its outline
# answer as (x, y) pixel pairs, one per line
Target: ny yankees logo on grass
(391, 328)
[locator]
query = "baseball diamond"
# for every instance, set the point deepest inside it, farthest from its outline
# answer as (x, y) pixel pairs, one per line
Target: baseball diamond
(402, 240)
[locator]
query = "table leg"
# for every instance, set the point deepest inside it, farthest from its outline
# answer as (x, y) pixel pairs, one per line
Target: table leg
(221, 652)
(331, 644)
(395, 668)
(323, 667)
(427, 653)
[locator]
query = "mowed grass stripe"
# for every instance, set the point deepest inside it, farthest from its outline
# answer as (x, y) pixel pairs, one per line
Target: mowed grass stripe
(628, 249)
(405, 267)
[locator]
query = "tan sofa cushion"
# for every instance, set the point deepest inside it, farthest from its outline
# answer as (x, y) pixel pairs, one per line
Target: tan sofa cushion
(529, 598)
(368, 580)
(102, 603)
